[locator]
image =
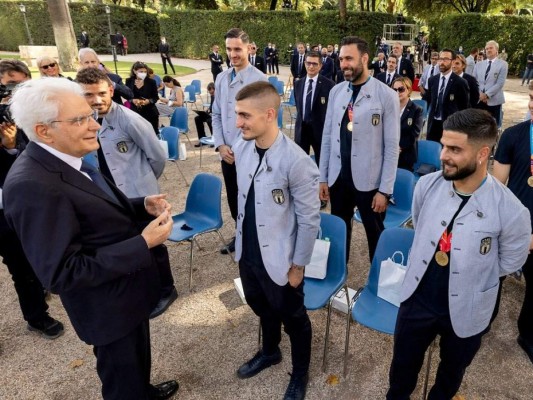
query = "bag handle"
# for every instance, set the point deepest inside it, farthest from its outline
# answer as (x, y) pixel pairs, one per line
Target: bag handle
(319, 235)
(395, 253)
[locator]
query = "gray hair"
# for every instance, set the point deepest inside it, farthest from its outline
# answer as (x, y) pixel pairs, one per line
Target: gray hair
(87, 50)
(38, 102)
(493, 42)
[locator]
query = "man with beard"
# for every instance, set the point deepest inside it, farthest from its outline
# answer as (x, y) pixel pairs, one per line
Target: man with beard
(469, 230)
(359, 153)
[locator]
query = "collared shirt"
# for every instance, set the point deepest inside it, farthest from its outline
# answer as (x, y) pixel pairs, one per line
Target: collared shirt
(399, 65)
(446, 79)
(74, 162)
(306, 86)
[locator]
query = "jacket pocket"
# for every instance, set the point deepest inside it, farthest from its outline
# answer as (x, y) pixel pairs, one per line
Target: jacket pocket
(483, 306)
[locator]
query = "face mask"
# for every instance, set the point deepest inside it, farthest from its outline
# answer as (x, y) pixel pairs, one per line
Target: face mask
(141, 75)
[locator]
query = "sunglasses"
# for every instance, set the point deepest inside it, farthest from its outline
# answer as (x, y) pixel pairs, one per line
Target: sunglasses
(401, 89)
(48, 66)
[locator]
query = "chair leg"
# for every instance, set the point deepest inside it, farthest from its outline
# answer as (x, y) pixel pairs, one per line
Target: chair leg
(183, 176)
(326, 339)
(190, 263)
(348, 324)
(428, 368)
(190, 144)
(259, 337)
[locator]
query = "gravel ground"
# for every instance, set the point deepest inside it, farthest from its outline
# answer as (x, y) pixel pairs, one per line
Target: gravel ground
(207, 333)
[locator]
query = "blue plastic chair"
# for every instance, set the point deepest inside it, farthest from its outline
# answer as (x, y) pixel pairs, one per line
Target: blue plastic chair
(171, 135)
(424, 105)
(197, 86)
(428, 153)
(280, 117)
(273, 80)
(190, 95)
(367, 308)
(203, 213)
(281, 87)
(398, 214)
(320, 293)
(180, 120)
(288, 104)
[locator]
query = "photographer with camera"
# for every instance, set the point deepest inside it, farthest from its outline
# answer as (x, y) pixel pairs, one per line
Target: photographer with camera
(12, 142)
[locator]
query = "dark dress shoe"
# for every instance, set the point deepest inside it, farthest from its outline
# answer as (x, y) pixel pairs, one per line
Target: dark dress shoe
(258, 363)
(164, 390)
(297, 387)
(230, 248)
(527, 347)
(164, 303)
(48, 328)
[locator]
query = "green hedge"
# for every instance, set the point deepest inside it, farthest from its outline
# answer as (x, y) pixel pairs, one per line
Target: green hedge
(140, 28)
(514, 33)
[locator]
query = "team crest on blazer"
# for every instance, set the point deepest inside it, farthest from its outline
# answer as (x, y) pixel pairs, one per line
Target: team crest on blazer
(278, 196)
(496, 75)
(409, 121)
(485, 245)
(375, 119)
(323, 100)
(122, 147)
(452, 97)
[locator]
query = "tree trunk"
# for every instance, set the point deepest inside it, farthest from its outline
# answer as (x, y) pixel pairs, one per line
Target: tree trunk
(342, 16)
(64, 35)
(273, 4)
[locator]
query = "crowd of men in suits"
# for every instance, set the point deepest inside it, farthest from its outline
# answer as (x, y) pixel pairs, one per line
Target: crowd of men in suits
(109, 263)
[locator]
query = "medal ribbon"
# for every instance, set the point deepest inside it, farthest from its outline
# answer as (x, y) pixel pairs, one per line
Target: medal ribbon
(445, 242)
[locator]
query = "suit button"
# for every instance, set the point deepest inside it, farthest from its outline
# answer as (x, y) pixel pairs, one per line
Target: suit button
(243, 195)
(416, 278)
(250, 176)
(443, 223)
(425, 262)
(433, 243)
(338, 156)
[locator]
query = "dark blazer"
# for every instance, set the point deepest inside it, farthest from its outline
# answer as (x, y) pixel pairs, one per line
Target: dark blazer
(216, 62)
(473, 87)
(295, 60)
(456, 96)
(411, 122)
(318, 108)
(148, 91)
(406, 69)
(377, 68)
(259, 63)
(121, 90)
(328, 68)
(164, 49)
(382, 77)
(82, 245)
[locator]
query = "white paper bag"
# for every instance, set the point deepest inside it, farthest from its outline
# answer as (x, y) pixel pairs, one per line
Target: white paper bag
(183, 152)
(318, 265)
(164, 145)
(391, 278)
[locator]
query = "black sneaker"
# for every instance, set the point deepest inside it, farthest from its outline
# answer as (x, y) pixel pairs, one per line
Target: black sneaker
(230, 248)
(258, 363)
(297, 387)
(49, 328)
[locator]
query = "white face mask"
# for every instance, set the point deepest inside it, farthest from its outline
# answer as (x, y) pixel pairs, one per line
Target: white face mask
(141, 75)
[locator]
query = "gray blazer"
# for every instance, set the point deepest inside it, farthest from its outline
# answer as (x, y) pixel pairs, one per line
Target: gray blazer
(493, 86)
(224, 120)
(470, 64)
(287, 209)
(132, 152)
(491, 237)
(375, 136)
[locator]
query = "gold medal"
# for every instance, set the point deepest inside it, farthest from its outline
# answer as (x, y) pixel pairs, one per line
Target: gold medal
(530, 181)
(442, 258)
(350, 127)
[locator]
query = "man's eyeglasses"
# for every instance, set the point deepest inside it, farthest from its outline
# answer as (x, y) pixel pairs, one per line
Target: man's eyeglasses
(311, 64)
(82, 120)
(48, 66)
(400, 89)
(445, 59)
(254, 48)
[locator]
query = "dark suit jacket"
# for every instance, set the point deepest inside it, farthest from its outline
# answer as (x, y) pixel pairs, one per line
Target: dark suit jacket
(377, 69)
(164, 49)
(82, 245)
(294, 67)
(406, 69)
(456, 97)
(411, 122)
(473, 87)
(318, 108)
(121, 90)
(149, 92)
(328, 68)
(259, 63)
(382, 77)
(216, 62)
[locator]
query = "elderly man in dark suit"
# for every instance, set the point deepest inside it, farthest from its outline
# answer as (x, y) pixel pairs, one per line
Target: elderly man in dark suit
(298, 62)
(447, 93)
(380, 65)
(311, 95)
(404, 66)
(216, 62)
(84, 238)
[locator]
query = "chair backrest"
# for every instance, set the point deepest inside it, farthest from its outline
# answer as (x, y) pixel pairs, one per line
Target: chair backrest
(280, 117)
(172, 136)
(292, 99)
(192, 92)
(404, 187)
(197, 85)
(391, 240)
(334, 228)
(281, 87)
(204, 197)
(273, 80)
(180, 119)
(428, 153)
(424, 105)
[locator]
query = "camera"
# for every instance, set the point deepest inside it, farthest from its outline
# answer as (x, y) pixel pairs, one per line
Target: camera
(5, 115)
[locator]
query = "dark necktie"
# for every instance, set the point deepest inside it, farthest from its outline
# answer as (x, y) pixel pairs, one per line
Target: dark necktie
(488, 70)
(98, 179)
(300, 64)
(438, 111)
(233, 74)
(388, 79)
(308, 101)
(253, 61)
(432, 71)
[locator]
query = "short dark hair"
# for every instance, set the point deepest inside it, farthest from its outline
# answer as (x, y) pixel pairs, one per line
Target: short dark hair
(210, 86)
(362, 44)
(314, 53)
(475, 50)
(448, 51)
(137, 65)
(168, 79)
(10, 65)
(237, 33)
(91, 76)
(478, 125)
(393, 56)
(262, 90)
